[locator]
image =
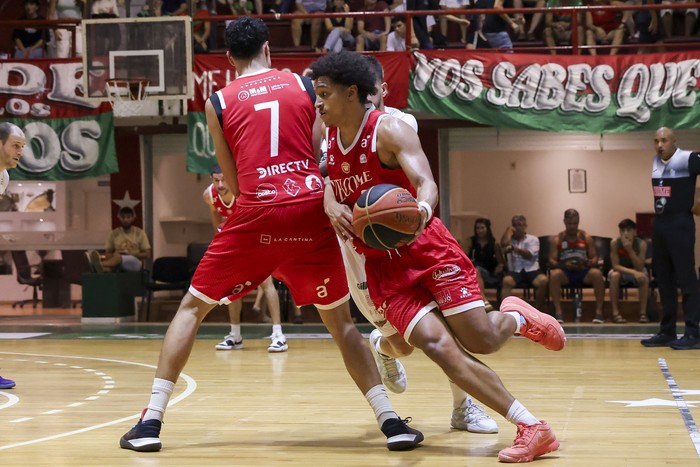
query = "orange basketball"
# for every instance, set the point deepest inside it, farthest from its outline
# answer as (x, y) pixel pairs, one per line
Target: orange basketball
(386, 217)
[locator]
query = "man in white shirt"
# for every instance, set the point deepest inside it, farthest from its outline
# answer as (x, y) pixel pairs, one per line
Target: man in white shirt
(396, 41)
(522, 252)
(12, 143)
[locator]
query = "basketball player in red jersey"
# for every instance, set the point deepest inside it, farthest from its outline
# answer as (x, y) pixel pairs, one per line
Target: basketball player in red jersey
(432, 275)
(220, 201)
(277, 227)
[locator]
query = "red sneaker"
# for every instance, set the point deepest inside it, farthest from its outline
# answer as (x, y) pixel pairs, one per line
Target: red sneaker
(539, 327)
(530, 442)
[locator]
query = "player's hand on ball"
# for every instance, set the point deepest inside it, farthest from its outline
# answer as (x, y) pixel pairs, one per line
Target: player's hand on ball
(340, 216)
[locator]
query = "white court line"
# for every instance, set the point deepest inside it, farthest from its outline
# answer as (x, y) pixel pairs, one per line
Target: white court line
(191, 387)
(11, 400)
(682, 405)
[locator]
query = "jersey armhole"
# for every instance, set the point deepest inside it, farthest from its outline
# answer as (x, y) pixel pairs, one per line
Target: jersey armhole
(217, 101)
(308, 87)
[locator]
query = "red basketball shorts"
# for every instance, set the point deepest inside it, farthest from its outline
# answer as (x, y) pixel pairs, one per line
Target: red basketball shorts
(294, 243)
(433, 271)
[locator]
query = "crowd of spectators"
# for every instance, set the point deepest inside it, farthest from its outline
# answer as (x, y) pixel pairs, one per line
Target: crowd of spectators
(599, 31)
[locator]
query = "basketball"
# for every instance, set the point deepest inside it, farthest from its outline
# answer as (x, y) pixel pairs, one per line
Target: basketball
(386, 217)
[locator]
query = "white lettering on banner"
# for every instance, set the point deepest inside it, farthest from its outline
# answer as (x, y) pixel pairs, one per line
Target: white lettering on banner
(344, 187)
(580, 87)
(277, 169)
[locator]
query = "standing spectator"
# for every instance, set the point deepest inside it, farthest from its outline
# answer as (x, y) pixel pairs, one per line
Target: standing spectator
(495, 27)
(62, 39)
(673, 176)
(30, 41)
(420, 23)
(339, 29)
(461, 20)
(522, 252)
(574, 261)
(486, 255)
(201, 26)
(605, 27)
(373, 30)
(308, 6)
(690, 16)
(151, 9)
(644, 26)
(109, 34)
(174, 7)
(628, 256)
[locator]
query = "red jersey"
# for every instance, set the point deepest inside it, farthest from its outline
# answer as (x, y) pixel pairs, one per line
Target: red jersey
(222, 208)
(358, 167)
(275, 162)
(606, 19)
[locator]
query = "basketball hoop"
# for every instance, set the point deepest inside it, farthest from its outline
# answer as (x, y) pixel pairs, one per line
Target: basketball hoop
(126, 96)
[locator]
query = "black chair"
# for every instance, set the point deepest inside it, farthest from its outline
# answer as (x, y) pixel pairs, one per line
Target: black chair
(168, 273)
(25, 276)
(195, 252)
(75, 264)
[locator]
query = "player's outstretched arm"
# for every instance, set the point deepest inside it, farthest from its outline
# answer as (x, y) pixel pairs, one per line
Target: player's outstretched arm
(224, 156)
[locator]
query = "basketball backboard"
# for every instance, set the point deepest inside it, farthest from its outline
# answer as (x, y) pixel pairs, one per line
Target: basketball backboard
(156, 50)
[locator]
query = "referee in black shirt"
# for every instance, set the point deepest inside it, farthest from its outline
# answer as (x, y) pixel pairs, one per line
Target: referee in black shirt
(673, 240)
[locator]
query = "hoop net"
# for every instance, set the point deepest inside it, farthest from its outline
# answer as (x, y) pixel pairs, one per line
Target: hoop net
(126, 96)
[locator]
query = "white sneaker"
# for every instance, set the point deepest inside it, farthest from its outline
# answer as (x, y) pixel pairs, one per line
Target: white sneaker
(390, 369)
(230, 343)
(473, 418)
(279, 343)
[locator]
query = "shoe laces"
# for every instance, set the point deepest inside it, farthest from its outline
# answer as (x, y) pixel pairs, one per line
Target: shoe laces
(475, 413)
(524, 435)
(392, 369)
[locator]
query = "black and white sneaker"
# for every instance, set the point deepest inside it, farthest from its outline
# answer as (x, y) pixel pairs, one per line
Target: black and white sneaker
(400, 436)
(143, 437)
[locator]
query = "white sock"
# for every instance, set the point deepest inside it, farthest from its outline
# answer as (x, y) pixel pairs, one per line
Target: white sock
(276, 329)
(519, 320)
(379, 401)
(236, 330)
(459, 397)
(519, 414)
(160, 395)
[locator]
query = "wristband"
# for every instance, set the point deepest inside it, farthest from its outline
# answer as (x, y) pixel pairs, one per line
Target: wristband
(426, 206)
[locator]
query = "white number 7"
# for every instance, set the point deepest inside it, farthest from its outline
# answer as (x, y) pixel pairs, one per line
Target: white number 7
(274, 107)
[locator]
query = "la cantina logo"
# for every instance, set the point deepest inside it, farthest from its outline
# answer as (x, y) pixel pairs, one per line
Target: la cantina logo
(266, 192)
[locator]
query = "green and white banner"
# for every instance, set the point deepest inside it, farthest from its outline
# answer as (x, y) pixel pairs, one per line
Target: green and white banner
(604, 94)
(68, 137)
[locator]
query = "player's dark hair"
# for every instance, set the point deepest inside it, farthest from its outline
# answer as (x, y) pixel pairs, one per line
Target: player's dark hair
(347, 69)
(375, 66)
(245, 36)
(215, 170)
(127, 210)
(627, 224)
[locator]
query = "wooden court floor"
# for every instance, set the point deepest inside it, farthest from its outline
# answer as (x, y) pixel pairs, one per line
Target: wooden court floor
(607, 399)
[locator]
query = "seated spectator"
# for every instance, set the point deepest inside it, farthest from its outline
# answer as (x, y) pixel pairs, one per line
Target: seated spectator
(373, 31)
(690, 17)
(535, 20)
(604, 27)
(339, 29)
(62, 40)
(201, 29)
(522, 252)
(628, 255)
(461, 20)
(396, 41)
(126, 249)
(573, 260)
(495, 27)
(557, 26)
(486, 255)
(643, 25)
(308, 6)
(30, 41)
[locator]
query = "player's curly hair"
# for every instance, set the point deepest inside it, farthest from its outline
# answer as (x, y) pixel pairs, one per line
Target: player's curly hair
(347, 68)
(245, 36)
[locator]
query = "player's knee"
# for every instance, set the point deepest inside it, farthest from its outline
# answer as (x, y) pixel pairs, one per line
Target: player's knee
(487, 344)
(401, 349)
